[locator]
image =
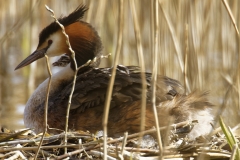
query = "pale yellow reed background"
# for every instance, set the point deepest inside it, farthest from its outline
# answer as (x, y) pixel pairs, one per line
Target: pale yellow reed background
(202, 29)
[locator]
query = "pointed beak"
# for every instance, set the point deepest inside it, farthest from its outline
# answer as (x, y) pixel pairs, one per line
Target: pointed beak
(33, 57)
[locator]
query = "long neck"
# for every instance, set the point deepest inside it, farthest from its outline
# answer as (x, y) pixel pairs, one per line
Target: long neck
(36, 102)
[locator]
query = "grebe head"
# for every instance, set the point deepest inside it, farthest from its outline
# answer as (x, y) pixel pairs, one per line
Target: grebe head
(83, 38)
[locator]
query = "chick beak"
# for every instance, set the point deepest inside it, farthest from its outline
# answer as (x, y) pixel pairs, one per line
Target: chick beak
(32, 57)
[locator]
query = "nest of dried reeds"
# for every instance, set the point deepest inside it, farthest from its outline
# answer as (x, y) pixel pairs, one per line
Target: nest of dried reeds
(84, 145)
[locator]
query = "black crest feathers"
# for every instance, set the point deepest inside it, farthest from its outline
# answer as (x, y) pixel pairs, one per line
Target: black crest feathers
(65, 21)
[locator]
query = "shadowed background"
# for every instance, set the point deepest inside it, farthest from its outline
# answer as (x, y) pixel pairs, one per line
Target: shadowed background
(197, 35)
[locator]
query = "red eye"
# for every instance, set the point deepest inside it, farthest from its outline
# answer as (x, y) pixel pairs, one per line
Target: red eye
(49, 42)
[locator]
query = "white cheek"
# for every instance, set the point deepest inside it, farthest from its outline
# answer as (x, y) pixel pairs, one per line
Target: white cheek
(55, 50)
(58, 46)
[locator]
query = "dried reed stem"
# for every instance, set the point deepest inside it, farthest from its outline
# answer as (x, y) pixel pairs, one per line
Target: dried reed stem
(111, 82)
(90, 11)
(173, 36)
(187, 86)
(236, 29)
(231, 15)
(34, 140)
(154, 76)
(124, 142)
(74, 77)
(45, 107)
(142, 67)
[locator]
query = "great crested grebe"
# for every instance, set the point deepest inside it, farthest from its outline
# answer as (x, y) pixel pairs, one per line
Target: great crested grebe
(91, 85)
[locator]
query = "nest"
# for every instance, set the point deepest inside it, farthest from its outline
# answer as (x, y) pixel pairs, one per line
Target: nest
(84, 145)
